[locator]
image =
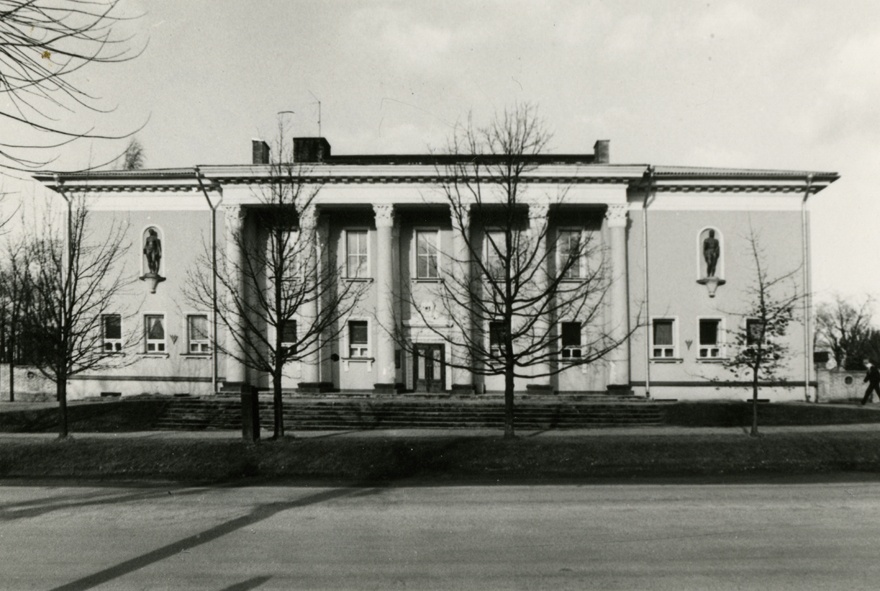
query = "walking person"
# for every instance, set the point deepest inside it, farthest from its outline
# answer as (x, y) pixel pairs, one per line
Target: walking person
(873, 379)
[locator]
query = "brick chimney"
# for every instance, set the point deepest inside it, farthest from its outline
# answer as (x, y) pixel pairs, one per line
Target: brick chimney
(259, 152)
(602, 152)
(310, 149)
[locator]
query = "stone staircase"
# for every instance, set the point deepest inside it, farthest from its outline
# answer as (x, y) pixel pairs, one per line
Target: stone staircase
(346, 412)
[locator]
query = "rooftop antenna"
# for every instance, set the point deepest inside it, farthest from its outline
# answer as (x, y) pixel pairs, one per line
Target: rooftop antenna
(317, 100)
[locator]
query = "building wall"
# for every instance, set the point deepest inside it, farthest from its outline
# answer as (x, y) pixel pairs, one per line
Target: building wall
(674, 258)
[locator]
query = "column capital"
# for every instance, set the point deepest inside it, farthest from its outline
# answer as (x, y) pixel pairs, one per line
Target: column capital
(308, 218)
(538, 211)
(234, 215)
(461, 218)
(617, 215)
(384, 216)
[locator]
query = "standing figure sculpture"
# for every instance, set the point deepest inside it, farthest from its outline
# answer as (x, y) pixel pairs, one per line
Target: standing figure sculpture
(711, 252)
(153, 251)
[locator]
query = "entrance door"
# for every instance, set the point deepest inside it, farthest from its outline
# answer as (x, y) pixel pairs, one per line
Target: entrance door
(429, 368)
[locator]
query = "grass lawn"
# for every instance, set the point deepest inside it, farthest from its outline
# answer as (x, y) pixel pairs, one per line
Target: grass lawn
(440, 459)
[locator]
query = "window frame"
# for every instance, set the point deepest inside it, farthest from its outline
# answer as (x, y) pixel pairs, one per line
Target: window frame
(671, 348)
(489, 332)
(204, 344)
(148, 341)
(346, 234)
(566, 351)
(115, 343)
(289, 345)
(489, 252)
(416, 255)
(581, 266)
(718, 347)
(367, 348)
(750, 342)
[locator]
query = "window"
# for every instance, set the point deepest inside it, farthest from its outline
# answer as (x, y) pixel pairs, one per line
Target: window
(753, 331)
(568, 248)
(288, 336)
(197, 334)
(496, 249)
(496, 339)
(710, 344)
(358, 338)
(663, 338)
(112, 328)
(571, 340)
(427, 254)
(154, 333)
(357, 264)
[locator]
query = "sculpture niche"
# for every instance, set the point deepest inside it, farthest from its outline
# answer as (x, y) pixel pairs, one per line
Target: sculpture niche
(152, 258)
(711, 255)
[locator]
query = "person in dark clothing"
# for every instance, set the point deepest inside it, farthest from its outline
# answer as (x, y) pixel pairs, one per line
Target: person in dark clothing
(873, 379)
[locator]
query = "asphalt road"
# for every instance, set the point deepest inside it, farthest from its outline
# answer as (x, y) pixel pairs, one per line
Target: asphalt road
(629, 536)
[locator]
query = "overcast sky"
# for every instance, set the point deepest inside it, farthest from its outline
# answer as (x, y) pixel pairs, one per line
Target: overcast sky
(783, 84)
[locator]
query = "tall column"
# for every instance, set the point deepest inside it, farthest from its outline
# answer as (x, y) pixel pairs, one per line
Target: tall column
(236, 372)
(538, 230)
(386, 374)
(618, 367)
(308, 312)
(462, 377)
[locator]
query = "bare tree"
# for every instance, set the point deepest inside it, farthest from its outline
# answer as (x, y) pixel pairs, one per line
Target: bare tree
(845, 329)
(75, 278)
(760, 351)
(512, 279)
(284, 299)
(43, 45)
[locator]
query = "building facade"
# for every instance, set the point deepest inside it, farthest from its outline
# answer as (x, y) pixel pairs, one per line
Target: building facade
(676, 241)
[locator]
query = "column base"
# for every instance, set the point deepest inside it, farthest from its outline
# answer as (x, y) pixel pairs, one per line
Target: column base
(539, 389)
(463, 389)
(232, 388)
(388, 388)
(313, 387)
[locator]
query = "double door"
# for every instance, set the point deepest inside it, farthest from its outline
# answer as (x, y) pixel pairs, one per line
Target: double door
(429, 368)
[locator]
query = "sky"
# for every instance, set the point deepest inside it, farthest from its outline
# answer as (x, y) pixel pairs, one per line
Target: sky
(786, 84)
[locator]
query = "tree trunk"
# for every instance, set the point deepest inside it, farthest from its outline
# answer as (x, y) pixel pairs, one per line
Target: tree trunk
(278, 406)
(754, 431)
(61, 391)
(508, 403)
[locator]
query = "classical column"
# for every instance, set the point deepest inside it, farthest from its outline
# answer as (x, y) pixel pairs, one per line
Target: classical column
(236, 372)
(462, 377)
(308, 312)
(618, 367)
(538, 231)
(386, 374)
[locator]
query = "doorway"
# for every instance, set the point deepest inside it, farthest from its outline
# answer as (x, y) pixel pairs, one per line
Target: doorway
(429, 368)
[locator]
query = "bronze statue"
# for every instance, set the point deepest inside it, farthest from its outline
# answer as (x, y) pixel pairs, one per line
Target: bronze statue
(711, 252)
(153, 251)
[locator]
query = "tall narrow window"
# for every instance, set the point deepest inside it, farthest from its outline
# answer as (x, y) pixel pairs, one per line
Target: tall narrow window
(288, 336)
(753, 331)
(357, 263)
(496, 249)
(568, 248)
(427, 254)
(358, 338)
(112, 328)
(710, 344)
(197, 334)
(154, 333)
(496, 339)
(663, 338)
(571, 340)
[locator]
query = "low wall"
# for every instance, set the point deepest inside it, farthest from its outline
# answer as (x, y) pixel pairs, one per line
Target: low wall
(838, 384)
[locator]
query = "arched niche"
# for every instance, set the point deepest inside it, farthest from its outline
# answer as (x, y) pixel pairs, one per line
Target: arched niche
(710, 259)
(153, 256)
